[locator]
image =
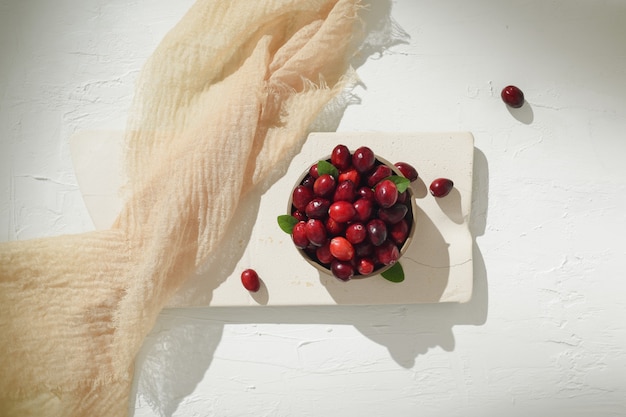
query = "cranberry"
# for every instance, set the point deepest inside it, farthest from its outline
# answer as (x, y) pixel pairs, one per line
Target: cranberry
(300, 216)
(317, 208)
(340, 157)
(356, 233)
(342, 211)
(345, 191)
(407, 170)
(341, 248)
(387, 253)
(367, 193)
(512, 96)
(323, 254)
(365, 266)
(386, 193)
(298, 235)
(342, 270)
(316, 232)
(399, 232)
(313, 171)
(363, 159)
(308, 181)
(250, 280)
(364, 209)
(441, 187)
(350, 174)
(377, 231)
(334, 228)
(402, 197)
(393, 214)
(301, 196)
(364, 249)
(380, 173)
(324, 185)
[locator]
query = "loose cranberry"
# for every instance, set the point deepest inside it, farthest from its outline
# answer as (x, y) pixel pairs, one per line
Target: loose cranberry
(356, 233)
(386, 193)
(298, 235)
(300, 216)
(342, 211)
(313, 171)
(345, 191)
(364, 209)
(342, 270)
(512, 96)
(380, 173)
(441, 187)
(250, 280)
(377, 231)
(316, 232)
(387, 253)
(363, 159)
(407, 170)
(393, 214)
(367, 193)
(350, 174)
(301, 196)
(341, 248)
(341, 157)
(365, 266)
(317, 208)
(399, 232)
(323, 254)
(334, 228)
(324, 185)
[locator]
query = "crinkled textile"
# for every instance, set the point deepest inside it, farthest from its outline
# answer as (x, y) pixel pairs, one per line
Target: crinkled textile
(226, 96)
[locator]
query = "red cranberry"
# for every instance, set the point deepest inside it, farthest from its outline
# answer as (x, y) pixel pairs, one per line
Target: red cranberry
(402, 197)
(407, 170)
(313, 171)
(386, 193)
(342, 270)
(323, 254)
(341, 248)
(334, 228)
(364, 209)
(301, 196)
(340, 157)
(250, 280)
(377, 231)
(363, 159)
(324, 185)
(342, 211)
(380, 173)
(393, 214)
(317, 208)
(350, 174)
(300, 216)
(367, 193)
(345, 191)
(356, 233)
(387, 253)
(512, 96)
(365, 266)
(364, 249)
(399, 232)
(441, 187)
(308, 181)
(298, 235)
(316, 232)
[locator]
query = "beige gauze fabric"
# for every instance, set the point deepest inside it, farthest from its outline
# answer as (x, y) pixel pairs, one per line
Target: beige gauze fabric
(226, 97)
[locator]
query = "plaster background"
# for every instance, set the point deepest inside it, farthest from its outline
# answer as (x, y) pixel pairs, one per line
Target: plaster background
(544, 333)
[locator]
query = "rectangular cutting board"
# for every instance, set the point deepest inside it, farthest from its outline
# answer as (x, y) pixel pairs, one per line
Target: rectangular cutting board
(438, 265)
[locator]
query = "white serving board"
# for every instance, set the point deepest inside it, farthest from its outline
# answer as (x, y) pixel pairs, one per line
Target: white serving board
(438, 266)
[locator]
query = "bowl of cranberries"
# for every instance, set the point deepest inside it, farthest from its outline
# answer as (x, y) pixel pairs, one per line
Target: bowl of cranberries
(352, 214)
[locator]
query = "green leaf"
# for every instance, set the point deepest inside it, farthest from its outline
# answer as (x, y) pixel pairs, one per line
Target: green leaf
(325, 167)
(402, 183)
(394, 274)
(287, 222)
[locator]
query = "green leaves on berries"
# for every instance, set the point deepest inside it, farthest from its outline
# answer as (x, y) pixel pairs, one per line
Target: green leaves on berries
(286, 222)
(325, 167)
(394, 274)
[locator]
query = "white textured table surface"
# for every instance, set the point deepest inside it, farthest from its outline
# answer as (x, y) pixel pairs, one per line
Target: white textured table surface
(543, 333)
